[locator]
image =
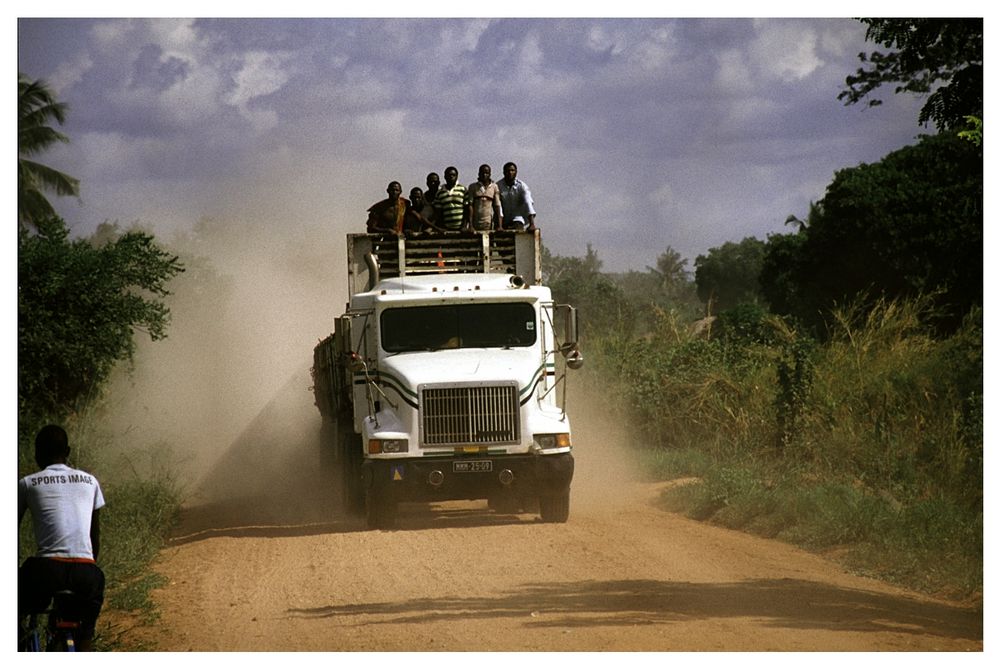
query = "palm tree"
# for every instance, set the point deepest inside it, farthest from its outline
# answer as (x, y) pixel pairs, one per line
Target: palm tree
(36, 108)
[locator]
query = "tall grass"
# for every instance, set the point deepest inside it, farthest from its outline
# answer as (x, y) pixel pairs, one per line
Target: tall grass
(868, 445)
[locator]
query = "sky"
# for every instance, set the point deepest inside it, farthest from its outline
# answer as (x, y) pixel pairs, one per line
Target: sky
(634, 134)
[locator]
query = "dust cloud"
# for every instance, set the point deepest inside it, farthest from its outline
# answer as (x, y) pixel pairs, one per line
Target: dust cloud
(603, 447)
(227, 395)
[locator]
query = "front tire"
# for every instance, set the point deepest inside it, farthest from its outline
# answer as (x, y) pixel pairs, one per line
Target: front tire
(504, 504)
(350, 458)
(380, 513)
(554, 508)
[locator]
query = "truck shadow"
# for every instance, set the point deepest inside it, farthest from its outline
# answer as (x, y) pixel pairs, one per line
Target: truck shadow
(456, 514)
(272, 481)
(245, 518)
(255, 516)
(780, 603)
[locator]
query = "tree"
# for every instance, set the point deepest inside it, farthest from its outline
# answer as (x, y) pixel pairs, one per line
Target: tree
(36, 109)
(938, 57)
(669, 287)
(579, 281)
(78, 305)
(779, 274)
(728, 275)
(974, 132)
(909, 224)
(671, 269)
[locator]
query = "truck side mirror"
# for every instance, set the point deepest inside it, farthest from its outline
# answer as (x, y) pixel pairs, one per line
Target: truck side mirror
(570, 347)
(572, 325)
(342, 334)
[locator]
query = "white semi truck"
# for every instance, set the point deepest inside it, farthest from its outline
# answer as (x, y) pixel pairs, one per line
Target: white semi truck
(441, 381)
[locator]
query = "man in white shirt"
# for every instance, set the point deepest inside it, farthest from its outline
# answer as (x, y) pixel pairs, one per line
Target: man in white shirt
(64, 504)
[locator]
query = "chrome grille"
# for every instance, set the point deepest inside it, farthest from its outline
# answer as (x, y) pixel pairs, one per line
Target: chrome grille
(470, 415)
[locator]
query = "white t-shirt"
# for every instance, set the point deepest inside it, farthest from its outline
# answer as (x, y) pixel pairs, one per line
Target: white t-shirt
(62, 501)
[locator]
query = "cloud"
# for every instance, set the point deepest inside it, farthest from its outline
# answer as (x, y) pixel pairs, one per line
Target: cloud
(69, 73)
(601, 40)
(155, 73)
(530, 61)
(114, 155)
(656, 50)
(785, 50)
(733, 75)
(461, 37)
(113, 35)
(192, 99)
(664, 196)
(261, 74)
(177, 37)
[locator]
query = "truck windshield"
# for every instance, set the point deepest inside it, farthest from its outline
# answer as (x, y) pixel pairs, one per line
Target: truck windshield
(454, 326)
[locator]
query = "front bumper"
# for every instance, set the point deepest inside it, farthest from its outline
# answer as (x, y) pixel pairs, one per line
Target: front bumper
(430, 479)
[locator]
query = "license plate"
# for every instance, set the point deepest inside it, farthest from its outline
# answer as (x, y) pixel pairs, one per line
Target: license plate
(472, 466)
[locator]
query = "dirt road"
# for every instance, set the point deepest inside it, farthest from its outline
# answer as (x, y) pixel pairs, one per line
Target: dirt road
(262, 562)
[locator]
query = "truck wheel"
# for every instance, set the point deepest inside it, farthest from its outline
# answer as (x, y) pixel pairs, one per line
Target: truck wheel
(380, 513)
(504, 504)
(327, 446)
(353, 496)
(554, 509)
(349, 454)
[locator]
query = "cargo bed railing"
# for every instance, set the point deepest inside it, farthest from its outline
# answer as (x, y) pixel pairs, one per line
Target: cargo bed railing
(376, 256)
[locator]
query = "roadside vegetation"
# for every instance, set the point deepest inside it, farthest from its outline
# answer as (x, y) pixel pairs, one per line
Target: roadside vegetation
(866, 447)
(864, 442)
(80, 304)
(825, 386)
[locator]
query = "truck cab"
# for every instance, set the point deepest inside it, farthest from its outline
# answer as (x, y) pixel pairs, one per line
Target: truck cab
(442, 378)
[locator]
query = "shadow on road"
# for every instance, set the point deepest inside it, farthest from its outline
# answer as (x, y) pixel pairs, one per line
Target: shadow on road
(271, 481)
(783, 603)
(253, 517)
(244, 518)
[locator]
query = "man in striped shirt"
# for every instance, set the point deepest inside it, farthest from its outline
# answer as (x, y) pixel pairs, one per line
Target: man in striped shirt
(450, 203)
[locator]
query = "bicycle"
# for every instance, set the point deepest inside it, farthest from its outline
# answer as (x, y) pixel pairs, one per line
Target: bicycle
(62, 622)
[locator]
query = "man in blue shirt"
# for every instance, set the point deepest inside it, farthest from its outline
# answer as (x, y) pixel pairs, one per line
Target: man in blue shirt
(515, 199)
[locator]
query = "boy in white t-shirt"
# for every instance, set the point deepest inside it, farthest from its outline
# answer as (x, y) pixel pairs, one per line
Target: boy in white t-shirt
(64, 504)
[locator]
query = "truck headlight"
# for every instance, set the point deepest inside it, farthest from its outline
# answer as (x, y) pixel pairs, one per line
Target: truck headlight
(552, 440)
(387, 446)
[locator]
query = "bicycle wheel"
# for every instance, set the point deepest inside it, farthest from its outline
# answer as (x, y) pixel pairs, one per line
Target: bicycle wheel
(30, 639)
(63, 641)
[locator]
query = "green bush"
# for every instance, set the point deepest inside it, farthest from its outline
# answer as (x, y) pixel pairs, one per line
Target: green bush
(79, 304)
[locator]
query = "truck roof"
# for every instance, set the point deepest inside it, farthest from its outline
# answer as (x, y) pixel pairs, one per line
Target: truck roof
(450, 287)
